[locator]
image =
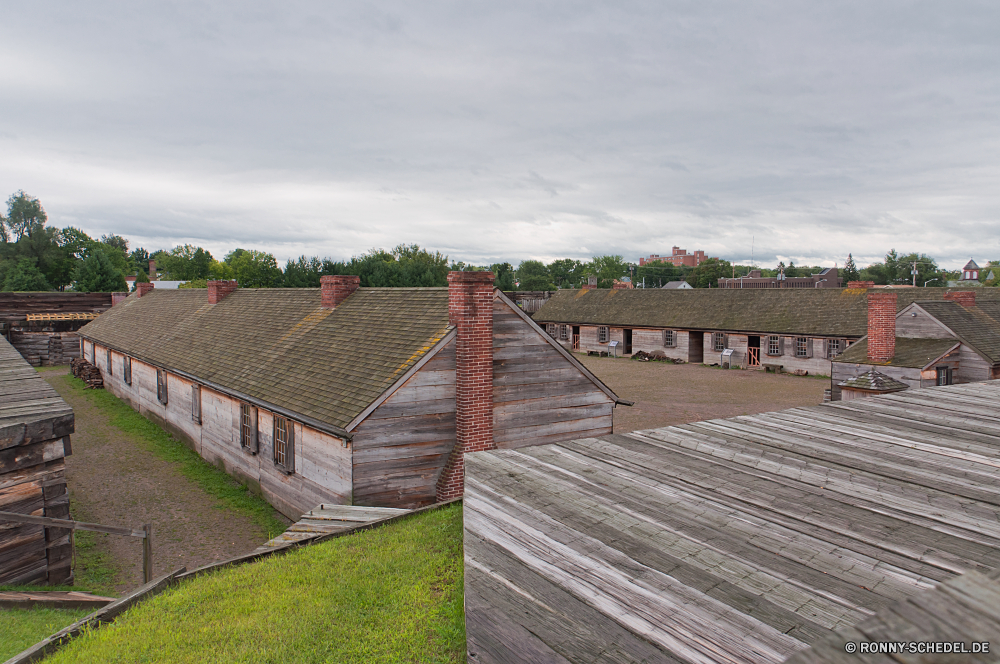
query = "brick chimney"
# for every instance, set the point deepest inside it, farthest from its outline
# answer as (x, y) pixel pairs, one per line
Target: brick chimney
(152, 270)
(861, 284)
(337, 288)
(470, 310)
(591, 282)
(142, 289)
(118, 298)
(218, 290)
(881, 325)
(965, 298)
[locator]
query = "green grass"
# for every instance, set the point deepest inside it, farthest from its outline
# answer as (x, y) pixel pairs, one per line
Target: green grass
(393, 594)
(23, 628)
(152, 437)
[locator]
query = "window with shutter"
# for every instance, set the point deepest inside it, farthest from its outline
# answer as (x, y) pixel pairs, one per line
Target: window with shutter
(110, 370)
(551, 329)
(800, 347)
(564, 332)
(603, 334)
(161, 386)
(127, 369)
(832, 348)
(284, 444)
(196, 403)
(248, 427)
(773, 346)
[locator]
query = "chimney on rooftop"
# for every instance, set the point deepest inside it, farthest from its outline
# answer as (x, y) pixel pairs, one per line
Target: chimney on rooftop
(152, 270)
(219, 289)
(965, 298)
(591, 282)
(881, 325)
(142, 289)
(470, 310)
(337, 288)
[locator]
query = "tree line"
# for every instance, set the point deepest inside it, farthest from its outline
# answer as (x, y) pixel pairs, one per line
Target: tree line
(36, 256)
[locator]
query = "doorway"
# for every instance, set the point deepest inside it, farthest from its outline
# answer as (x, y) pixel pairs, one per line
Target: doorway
(753, 351)
(627, 341)
(696, 347)
(576, 337)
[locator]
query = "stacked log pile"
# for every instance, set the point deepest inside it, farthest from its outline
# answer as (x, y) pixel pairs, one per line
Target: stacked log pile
(46, 348)
(88, 373)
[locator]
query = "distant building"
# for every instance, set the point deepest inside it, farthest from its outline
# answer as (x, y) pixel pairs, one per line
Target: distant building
(678, 258)
(828, 278)
(970, 274)
(678, 285)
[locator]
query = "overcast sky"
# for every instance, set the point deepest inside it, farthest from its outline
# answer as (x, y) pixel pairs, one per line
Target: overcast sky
(509, 130)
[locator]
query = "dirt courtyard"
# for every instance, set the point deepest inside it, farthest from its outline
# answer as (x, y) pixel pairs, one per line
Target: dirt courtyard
(113, 480)
(667, 394)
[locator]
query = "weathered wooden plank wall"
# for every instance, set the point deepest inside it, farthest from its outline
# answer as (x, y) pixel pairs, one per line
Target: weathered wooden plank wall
(539, 396)
(35, 425)
(739, 540)
(401, 448)
(15, 307)
(322, 462)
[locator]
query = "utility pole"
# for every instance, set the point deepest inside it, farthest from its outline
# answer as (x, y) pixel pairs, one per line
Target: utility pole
(914, 273)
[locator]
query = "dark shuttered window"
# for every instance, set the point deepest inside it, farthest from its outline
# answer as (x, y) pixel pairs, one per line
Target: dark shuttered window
(284, 444)
(248, 427)
(127, 369)
(196, 403)
(161, 386)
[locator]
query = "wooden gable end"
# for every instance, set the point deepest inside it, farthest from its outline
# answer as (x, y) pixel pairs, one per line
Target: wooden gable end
(401, 447)
(539, 394)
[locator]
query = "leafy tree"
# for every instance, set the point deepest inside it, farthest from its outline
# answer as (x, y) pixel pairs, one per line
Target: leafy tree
(194, 283)
(503, 274)
(140, 259)
(221, 270)
(708, 273)
(184, 262)
(566, 272)
(116, 241)
(607, 269)
(25, 276)
(98, 274)
(141, 278)
(256, 269)
(534, 276)
(24, 214)
(850, 271)
(657, 273)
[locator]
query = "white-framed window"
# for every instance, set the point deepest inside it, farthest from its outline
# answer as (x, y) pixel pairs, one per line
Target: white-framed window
(718, 341)
(832, 348)
(196, 404)
(284, 444)
(801, 347)
(774, 345)
(669, 338)
(161, 386)
(943, 375)
(551, 329)
(564, 332)
(603, 335)
(248, 427)
(127, 369)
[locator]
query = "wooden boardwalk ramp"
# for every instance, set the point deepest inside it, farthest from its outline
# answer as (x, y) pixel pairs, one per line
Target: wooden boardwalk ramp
(325, 519)
(743, 540)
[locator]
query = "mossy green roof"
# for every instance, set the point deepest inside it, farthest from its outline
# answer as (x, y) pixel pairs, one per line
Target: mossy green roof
(279, 345)
(910, 352)
(978, 326)
(833, 312)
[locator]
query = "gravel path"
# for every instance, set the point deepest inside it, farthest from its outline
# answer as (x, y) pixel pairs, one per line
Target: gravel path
(668, 394)
(114, 481)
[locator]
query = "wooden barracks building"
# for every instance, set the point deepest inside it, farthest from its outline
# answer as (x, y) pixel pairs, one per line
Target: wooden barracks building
(795, 329)
(364, 396)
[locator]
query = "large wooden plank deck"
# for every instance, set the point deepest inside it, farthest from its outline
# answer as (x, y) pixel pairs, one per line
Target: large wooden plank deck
(739, 540)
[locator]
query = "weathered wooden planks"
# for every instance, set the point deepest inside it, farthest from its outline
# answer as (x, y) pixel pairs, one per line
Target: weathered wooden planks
(739, 540)
(35, 424)
(326, 519)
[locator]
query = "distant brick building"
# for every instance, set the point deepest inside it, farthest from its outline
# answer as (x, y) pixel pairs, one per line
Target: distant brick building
(678, 258)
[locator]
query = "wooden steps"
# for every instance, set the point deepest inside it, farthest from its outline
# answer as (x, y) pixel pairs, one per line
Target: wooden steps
(326, 519)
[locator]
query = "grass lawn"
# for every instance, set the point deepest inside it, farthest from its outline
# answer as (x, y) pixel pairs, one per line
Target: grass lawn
(23, 628)
(393, 594)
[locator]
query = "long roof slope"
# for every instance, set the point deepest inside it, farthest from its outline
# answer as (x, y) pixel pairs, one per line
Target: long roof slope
(278, 345)
(978, 326)
(737, 540)
(800, 311)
